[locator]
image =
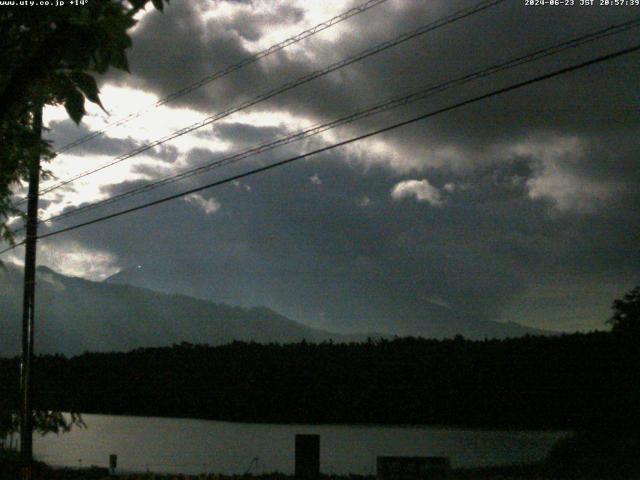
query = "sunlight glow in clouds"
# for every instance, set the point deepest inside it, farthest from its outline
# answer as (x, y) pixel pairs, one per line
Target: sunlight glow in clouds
(153, 125)
(498, 167)
(77, 260)
(421, 190)
(314, 13)
(568, 190)
(208, 205)
(557, 177)
(149, 127)
(271, 118)
(88, 189)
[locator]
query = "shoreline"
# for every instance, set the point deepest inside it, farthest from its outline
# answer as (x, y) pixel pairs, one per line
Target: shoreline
(9, 469)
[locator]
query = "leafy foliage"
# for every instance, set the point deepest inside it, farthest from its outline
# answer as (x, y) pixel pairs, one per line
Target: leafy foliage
(49, 56)
(44, 421)
(626, 313)
(573, 381)
(596, 454)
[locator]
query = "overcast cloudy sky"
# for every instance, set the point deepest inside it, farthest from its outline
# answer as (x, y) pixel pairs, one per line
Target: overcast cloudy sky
(521, 208)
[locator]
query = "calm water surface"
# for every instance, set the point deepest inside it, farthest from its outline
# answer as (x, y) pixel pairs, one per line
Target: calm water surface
(199, 446)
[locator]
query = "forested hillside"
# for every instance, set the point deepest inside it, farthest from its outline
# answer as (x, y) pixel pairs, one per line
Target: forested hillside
(582, 380)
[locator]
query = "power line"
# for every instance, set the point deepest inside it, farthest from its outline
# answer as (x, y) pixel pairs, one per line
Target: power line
(227, 70)
(459, 15)
(434, 113)
(219, 74)
(373, 110)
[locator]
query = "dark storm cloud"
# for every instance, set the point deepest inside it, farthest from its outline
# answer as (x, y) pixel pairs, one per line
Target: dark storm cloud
(244, 135)
(64, 132)
(316, 252)
(251, 26)
(595, 105)
(353, 266)
(193, 48)
(456, 49)
(538, 187)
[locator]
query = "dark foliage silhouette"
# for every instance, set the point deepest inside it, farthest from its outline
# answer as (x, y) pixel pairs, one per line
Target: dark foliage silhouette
(50, 56)
(626, 313)
(573, 381)
(596, 454)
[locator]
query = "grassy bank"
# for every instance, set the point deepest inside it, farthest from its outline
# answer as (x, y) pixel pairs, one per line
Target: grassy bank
(9, 470)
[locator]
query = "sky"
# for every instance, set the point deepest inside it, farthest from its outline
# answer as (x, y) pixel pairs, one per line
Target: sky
(523, 207)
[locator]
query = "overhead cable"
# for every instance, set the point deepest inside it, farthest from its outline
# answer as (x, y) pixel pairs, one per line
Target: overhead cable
(501, 91)
(460, 14)
(361, 114)
(227, 70)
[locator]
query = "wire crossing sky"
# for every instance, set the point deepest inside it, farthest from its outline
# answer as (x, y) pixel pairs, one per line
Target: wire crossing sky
(522, 207)
(459, 15)
(381, 107)
(229, 69)
(501, 91)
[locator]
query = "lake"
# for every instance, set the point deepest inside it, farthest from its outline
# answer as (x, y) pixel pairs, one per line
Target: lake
(201, 446)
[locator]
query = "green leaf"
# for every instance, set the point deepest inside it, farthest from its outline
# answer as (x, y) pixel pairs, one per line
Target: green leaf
(119, 60)
(80, 17)
(74, 104)
(137, 4)
(87, 85)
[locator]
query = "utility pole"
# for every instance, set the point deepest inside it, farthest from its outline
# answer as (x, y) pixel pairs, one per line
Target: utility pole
(28, 305)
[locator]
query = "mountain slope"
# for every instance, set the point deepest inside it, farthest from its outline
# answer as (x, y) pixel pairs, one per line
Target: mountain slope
(393, 314)
(74, 315)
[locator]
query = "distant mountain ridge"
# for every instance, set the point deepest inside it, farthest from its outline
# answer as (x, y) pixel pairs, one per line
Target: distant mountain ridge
(388, 316)
(76, 315)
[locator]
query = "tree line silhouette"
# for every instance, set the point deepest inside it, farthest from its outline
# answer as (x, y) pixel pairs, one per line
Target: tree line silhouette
(569, 382)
